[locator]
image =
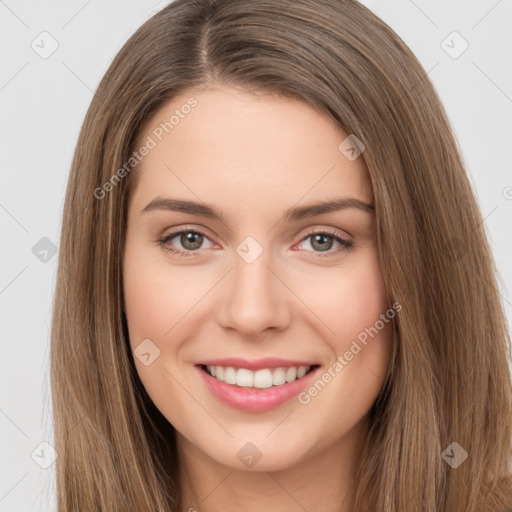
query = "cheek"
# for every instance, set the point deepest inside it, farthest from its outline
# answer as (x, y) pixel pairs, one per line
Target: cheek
(347, 299)
(157, 301)
(353, 305)
(365, 300)
(158, 298)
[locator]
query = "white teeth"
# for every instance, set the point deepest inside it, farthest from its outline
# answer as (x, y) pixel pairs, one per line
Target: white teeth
(244, 377)
(291, 374)
(278, 376)
(264, 378)
(230, 375)
(301, 372)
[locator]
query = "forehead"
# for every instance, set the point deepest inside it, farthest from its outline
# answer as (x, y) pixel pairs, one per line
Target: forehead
(239, 150)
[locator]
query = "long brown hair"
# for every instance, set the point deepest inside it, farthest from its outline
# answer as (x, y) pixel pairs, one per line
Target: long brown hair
(449, 380)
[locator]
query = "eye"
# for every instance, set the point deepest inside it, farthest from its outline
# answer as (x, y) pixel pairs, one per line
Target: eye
(323, 241)
(191, 241)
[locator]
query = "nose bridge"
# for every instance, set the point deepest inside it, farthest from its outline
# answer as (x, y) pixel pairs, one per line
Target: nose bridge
(253, 298)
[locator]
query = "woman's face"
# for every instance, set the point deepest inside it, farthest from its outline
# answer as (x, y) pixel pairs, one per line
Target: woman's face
(264, 281)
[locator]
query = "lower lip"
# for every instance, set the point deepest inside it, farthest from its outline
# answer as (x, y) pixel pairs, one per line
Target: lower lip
(255, 399)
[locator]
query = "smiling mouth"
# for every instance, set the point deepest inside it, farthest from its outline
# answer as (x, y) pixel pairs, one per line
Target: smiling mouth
(260, 379)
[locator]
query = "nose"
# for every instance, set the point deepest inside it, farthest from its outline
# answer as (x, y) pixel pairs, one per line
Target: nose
(254, 298)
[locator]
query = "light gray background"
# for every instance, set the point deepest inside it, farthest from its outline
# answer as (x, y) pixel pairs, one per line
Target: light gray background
(43, 103)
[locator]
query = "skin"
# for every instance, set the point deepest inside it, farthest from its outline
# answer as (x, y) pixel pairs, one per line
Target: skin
(253, 157)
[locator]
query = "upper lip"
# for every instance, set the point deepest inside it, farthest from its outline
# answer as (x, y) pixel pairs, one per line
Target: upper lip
(255, 364)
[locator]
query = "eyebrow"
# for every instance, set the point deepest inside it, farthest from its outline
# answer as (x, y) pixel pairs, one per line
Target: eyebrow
(293, 214)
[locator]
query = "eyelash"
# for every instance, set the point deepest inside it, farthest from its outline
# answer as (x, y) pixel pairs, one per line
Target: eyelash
(163, 242)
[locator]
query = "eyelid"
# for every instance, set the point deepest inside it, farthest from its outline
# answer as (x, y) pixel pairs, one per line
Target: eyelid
(330, 231)
(176, 230)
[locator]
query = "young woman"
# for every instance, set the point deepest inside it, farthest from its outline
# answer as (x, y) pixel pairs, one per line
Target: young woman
(275, 290)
